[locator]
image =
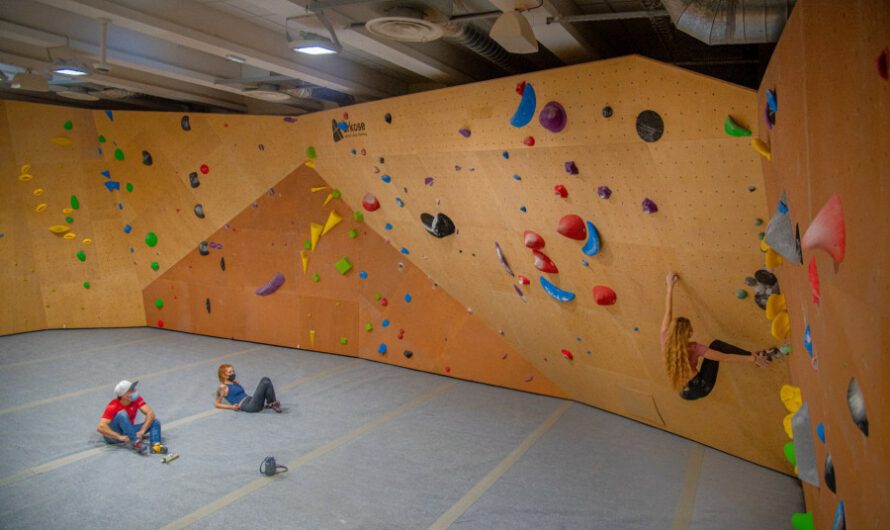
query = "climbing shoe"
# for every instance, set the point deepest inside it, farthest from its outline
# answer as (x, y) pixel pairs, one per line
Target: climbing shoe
(158, 449)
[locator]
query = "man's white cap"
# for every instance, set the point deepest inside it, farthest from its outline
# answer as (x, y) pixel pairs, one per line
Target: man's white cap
(123, 387)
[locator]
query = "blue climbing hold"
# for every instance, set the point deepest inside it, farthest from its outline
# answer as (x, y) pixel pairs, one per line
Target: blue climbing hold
(593, 241)
(363, 275)
(783, 207)
(400, 202)
(127, 229)
(584, 262)
(523, 209)
(405, 251)
(771, 101)
(407, 298)
(112, 185)
(354, 152)
(517, 177)
(505, 154)
(106, 174)
(385, 323)
(526, 110)
(110, 115)
(820, 431)
(386, 178)
(555, 292)
(387, 226)
(808, 341)
(381, 348)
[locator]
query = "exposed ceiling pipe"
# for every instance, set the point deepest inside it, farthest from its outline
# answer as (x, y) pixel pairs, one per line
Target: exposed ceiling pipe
(485, 46)
(717, 22)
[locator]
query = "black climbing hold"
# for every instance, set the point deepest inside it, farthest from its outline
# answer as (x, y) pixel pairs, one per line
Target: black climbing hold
(650, 126)
(199, 211)
(207, 304)
(222, 264)
(202, 248)
(381, 159)
(750, 281)
(752, 188)
(146, 158)
(408, 353)
(607, 112)
(797, 242)
(829, 474)
(440, 225)
(387, 117)
(184, 123)
(767, 284)
(765, 277)
(193, 179)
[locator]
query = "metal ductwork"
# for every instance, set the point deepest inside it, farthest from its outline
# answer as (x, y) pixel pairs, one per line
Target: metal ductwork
(485, 46)
(717, 22)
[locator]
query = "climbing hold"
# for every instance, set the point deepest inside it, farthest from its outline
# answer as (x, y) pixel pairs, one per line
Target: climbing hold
(440, 225)
(387, 117)
(193, 179)
(805, 454)
(553, 117)
(333, 220)
(272, 285)
(408, 354)
(882, 63)
(522, 280)
(802, 521)
(316, 278)
(820, 431)
(604, 192)
(523, 209)
(385, 323)
(353, 234)
(86, 285)
(533, 240)
(827, 231)
(381, 349)
(387, 226)
(159, 303)
(775, 304)
(781, 326)
(604, 295)
(61, 140)
(40, 208)
(544, 263)
(38, 192)
(572, 226)
(856, 402)
(202, 248)
(315, 230)
(741, 294)
(25, 177)
(791, 398)
(780, 235)
(401, 334)
(222, 264)
(384, 302)
(607, 112)
(363, 275)
(118, 154)
(771, 102)
(649, 206)
(160, 323)
(733, 128)
(521, 295)
(571, 168)
(502, 259)
(407, 298)
(199, 211)
(789, 453)
(368, 327)
(555, 292)
(370, 202)
(112, 185)
(81, 256)
(567, 354)
(310, 152)
(68, 126)
(828, 474)
(151, 239)
(761, 147)
(87, 241)
(386, 178)
(129, 187)
(75, 204)
(343, 266)
(650, 126)
(155, 266)
(464, 132)
(758, 221)
(127, 229)
(808, 340)
(328, 199)
(186, 126)
(527, 104)
(772, 259)
(70, 235)
(529, 141)
(146, 158)
(814, 280)
(561, 191)
(405, 251)
(592, 247)
(204, 169)
(840, 520)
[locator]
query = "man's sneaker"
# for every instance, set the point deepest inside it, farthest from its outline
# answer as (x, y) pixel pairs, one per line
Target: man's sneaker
(137, 446)
(276, 406)
(158, 449)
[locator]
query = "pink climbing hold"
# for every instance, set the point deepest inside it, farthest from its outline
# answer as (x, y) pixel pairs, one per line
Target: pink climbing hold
(533, 240)
(567, 354)
(572, 226)
(828, 231)
(544, 263)
(604, 295)
(561, 191)
(814, 280)
(370, 202)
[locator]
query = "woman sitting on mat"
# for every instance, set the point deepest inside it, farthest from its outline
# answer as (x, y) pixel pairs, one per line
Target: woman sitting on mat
(232, 391)
(682, 354)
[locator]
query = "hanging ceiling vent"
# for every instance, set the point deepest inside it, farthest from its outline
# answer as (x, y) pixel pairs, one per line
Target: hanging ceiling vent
(405, 24)
(267, 93)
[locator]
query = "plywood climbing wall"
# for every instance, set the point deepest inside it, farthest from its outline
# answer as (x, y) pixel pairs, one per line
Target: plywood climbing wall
(830, 138)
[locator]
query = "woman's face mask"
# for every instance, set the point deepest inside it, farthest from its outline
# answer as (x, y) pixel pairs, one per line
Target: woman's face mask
(232, 376)
(135, 396)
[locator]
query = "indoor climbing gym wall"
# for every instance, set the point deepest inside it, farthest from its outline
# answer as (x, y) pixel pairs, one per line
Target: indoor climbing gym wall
(823, 119)
(515, 232)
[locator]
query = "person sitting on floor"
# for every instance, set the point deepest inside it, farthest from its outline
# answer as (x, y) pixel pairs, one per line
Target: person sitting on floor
(117, 423)
(232, 391)
(681, 354)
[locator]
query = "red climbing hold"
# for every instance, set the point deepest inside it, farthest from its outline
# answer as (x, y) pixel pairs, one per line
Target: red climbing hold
(561, 190)
(604, 295)
(567, 354)
(529, 141)
(543, 263)
(572, 227)
(401, 334)
(533, 240)
(814, 280)
(205, 169)
(160, 323)
(827, 231)
(384, 302)
(370, 202)
(522, 280)
(520, 88)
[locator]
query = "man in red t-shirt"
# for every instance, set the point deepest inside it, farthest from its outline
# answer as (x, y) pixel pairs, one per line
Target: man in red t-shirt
(117, 423)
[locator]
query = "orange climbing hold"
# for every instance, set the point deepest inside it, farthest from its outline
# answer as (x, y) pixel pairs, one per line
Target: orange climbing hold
(828, 231)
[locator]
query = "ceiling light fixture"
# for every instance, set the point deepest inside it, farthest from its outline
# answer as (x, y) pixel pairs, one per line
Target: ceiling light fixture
(65, 62)
(312, 44)
(267, 93)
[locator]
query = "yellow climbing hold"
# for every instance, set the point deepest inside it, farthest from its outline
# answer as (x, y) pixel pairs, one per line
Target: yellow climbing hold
(67, 210)
(26, 168)
(312, 337)
(790, 396)
(315, 229)
(787, 424)
(25, 177)
(775, 304)
(763, 246)
(319, 188)
(87, 241)
(781, 326)
(59, 229)
(70, 235)
(772, 259)
(40, 208)
(333, 220)
(38, 192)
(310, 163)
(305, 259)
(61, 140)
(761, 147)
(328, 199)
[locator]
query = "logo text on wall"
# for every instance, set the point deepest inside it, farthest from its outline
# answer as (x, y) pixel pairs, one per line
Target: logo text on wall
(344, 129)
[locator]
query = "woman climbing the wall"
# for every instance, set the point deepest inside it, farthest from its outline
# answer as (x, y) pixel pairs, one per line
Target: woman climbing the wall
(682, 354)
(232, 391)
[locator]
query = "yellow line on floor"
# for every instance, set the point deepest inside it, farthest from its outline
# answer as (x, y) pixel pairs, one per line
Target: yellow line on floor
(259, 483)
(109, 386)
(64, 461)
(82, 352)
(461, 506)
(683, 513)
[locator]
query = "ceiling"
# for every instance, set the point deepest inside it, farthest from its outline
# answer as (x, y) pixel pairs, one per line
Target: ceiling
(180, 55)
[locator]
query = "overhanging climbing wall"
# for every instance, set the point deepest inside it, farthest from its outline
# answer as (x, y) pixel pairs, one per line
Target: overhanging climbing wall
(829, 147)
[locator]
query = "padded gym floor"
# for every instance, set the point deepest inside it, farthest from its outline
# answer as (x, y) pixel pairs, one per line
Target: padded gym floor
(368, 445)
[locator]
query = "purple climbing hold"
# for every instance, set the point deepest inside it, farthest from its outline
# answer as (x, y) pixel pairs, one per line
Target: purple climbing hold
(649, 206)
(604, 192)
(464, 132)
(428, 181)
(272, 285)
(519, 292)
(503, 259)
(290, 120)
(553, 117)
(571, 168)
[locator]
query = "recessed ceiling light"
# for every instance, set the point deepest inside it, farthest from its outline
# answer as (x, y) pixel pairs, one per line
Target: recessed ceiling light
(312, 44)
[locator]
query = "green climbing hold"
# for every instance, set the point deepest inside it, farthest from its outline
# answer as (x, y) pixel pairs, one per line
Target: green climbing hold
(151, 239)
(81, 256)
(761, 235)
(785, 349)
(336, 193)
(74, 202)
(358, 216)
(344, 265)
(789, 453)
(155, 266)
(101, 139)
(741, 294)
(734, 129)
(159, 303)
(69, 220)
(377, 296)
(802, 521)
(758, 221)
(353, 234)
(118, 154)
(307, 244)
(316, 278)
(310, 152)
(86, 285)
(368, 327)
(343, 340)
(129, 187)
(68, 125)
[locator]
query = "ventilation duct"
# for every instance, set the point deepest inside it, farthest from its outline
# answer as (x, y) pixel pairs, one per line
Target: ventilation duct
(717, 22)
(485, 46)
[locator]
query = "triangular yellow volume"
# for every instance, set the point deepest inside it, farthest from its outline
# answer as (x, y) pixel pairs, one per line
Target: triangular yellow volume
(319, 188)
(328, 199)
(316, 233)
(305, 259)
(333, 220)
